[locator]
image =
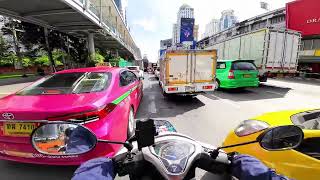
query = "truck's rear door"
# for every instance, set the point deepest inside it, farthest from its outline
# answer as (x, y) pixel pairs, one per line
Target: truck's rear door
(291, 51)
(177, 69)
(276, 49)
(204, 66)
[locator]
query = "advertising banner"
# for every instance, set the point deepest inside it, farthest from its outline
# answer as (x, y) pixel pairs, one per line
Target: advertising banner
(162, 54)
(304, 16)
(186, 33)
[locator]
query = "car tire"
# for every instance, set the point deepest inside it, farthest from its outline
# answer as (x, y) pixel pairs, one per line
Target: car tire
(217, 84)
(167, 96)
(131, 124)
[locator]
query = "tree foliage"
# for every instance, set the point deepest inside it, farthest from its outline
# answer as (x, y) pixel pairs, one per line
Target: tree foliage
(4, 47)
(6, 57)
(43, 60)
(32, 38)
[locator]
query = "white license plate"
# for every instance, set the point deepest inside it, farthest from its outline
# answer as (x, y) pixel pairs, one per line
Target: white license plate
(190, 88)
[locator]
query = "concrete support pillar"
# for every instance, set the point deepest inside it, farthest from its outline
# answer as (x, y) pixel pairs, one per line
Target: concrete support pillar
(117, 53)
(92, 53)
(49, 50)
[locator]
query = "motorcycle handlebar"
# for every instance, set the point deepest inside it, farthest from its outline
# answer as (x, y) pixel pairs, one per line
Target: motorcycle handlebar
(132, 164)
(207, 163)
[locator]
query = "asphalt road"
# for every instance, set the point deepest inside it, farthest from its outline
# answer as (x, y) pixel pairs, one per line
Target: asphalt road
(207, 117)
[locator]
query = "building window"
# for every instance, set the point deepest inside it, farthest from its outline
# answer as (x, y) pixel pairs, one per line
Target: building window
(259, 25)
(278, 19)
(307, 44)
(316, 44)
(244, 29)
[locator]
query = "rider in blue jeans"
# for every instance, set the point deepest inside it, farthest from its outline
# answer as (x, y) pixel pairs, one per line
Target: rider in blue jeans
(244, 167)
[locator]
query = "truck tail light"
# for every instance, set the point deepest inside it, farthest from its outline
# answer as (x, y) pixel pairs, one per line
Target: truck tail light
(207, 87)
(172, 89)
(86, 116)
(231, 74)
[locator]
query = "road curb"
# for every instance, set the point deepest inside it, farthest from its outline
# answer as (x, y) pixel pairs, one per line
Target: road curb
(9, 81)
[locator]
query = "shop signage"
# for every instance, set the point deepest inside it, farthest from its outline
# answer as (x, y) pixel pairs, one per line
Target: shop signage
(313, 20)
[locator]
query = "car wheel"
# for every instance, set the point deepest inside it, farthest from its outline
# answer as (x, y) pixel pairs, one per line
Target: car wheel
(217, 83)
(167, 96)
(131, 124)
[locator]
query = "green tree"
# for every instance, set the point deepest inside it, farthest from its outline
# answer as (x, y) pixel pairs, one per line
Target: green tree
(6, 57)
(43, 59)
(4, 47)
(32, 37)
(8, 60)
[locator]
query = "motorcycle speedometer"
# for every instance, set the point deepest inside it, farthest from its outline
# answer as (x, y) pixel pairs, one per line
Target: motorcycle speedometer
(174, 155)
(175, 151)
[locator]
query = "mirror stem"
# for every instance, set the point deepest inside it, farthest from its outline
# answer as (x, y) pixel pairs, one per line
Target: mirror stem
(125, 144)
(214, 154)
(236, 145)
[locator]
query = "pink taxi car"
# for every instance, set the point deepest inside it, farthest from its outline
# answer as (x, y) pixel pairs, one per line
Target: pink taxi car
(103, 99)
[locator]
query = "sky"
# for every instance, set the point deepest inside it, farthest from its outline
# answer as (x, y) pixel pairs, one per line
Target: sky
(151, 20)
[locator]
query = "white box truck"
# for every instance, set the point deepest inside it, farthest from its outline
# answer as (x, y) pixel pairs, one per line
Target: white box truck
(188, 72)
(273, 51)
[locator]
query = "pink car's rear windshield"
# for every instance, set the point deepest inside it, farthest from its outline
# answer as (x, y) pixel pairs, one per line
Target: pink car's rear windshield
(69, 83)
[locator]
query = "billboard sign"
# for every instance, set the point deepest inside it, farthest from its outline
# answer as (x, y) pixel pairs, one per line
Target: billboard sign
(186, 29)
(303, 16)
(162, 53)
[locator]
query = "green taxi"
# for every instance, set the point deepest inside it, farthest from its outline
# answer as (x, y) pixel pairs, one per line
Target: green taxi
(236, 74)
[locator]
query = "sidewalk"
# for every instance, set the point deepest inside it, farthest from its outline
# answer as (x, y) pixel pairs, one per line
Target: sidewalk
(18, 80)
(309, 81)
(301, 87)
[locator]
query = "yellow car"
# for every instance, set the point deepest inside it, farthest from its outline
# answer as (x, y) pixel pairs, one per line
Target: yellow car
(301, 163)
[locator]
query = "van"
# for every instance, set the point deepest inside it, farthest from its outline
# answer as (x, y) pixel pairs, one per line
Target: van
(236, 74)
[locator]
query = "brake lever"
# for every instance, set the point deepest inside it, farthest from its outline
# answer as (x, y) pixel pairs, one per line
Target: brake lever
(207, 163)
(118, 162)
(232, 155)
(214, 154)
(128, 163)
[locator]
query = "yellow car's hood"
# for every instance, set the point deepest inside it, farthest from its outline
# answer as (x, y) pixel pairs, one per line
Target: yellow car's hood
(279, 118)
(295, 164)
(282, 118)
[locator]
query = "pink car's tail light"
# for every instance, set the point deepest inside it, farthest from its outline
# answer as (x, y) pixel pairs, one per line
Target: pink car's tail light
(86, 116)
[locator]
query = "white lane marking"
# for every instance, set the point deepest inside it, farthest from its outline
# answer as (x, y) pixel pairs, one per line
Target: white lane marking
(272, 92)
(226, 101)
(152, 106)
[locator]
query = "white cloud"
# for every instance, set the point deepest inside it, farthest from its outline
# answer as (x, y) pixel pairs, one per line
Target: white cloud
(146, 24)
(125, 3)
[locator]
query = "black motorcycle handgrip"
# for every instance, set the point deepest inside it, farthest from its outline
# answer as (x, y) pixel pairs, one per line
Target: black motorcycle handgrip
(207, 163)
(128, 163)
